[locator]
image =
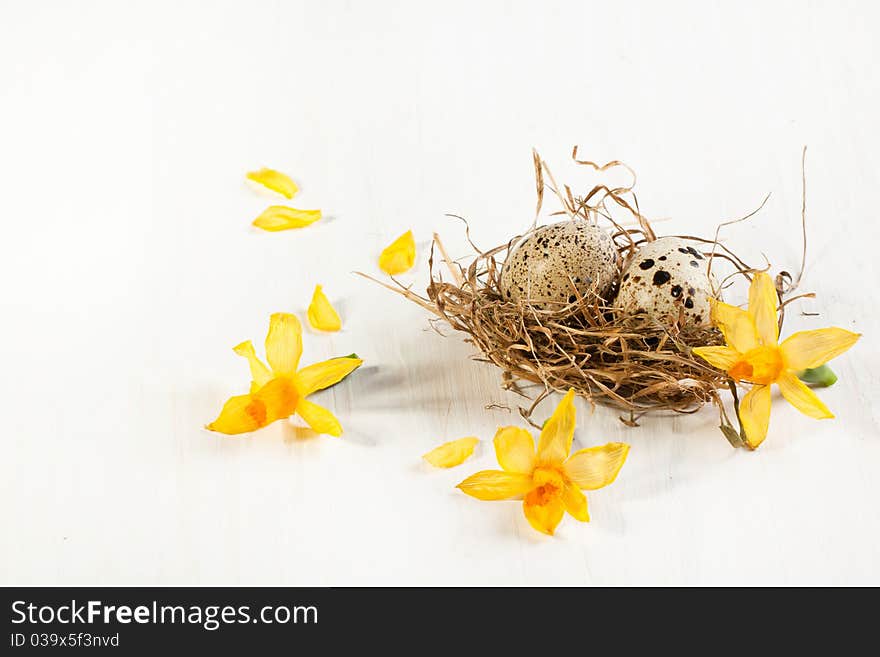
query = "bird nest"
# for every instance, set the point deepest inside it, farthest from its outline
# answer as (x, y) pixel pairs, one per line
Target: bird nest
(632, 362)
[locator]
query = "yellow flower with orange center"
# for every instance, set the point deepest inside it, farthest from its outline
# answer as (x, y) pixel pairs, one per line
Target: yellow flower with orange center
(280, 390)
(549, 480)
(753, 354)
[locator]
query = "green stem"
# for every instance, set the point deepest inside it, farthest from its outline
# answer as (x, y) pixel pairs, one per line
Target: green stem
(742, 434)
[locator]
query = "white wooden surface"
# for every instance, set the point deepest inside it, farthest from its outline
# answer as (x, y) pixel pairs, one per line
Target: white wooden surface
(129, 269)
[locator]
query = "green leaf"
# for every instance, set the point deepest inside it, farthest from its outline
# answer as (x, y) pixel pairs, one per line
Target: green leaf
(822, 376)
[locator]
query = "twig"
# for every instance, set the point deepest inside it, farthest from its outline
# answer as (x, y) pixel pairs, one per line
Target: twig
(454, 270)
(569, 211)
(406, 293)
(730, 223)
(803, 220)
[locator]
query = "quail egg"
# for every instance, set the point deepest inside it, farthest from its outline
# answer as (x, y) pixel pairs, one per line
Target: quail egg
(541, 269)
(669, 280)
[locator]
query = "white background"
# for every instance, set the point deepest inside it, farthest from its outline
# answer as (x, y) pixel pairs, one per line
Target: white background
(129, 269)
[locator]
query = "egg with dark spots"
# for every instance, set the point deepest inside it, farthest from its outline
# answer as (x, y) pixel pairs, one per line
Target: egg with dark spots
(669, 280)
(549, 264)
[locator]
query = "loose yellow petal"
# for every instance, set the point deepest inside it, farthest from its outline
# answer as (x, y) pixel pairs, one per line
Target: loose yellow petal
(754, 413)
(596, 467)
(762, 306)
(554, 443)
(802, 398)
(325, 374)
(274, 180)
(280, 217)
(808, 349)
(737, 326)
(721, 357)
(515, 450)
(399, 256)
(496, 485)
(321, 314)
(241, 414)
(453, 453)
(576, 503)
(284, 344)
(544, 512)
(260, 374)
(319, 418)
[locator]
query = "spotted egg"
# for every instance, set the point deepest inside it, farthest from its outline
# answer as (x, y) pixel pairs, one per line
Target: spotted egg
(542, 269)
(669, 280)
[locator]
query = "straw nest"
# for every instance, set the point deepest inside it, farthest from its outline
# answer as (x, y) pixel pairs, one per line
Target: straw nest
(630, 362)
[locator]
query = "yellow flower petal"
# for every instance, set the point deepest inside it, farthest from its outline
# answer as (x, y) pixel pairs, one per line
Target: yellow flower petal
(260, 374)
(737, 326)
(325, 374)
(280, 217)
(596, 467)
(576, 503)
(399, 256)
(274, 180)
(515, 450)
(284, 344)
(554, 443)
(321, 314)
(245, 413)
(721, 357)
(762, 307)
(319, 418)
(496, 485)
(802, 398)
(279, 398)
(240, 414)
(754, 413)
(453, 453)
(808, 349)
(543, 512)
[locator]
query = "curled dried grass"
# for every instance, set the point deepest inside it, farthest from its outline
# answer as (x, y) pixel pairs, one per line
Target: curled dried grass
(631, 362)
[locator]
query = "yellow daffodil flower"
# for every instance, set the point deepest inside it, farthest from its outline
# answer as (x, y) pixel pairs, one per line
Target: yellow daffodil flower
(280, 390)
(276, 181)
(280, 217)
(453, 453)
(321, 314)
(399, 256)
(550, 480)
(753, 354)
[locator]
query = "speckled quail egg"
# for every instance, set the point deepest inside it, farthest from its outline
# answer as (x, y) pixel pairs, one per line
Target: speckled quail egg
(541, 269)
(668, 279)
